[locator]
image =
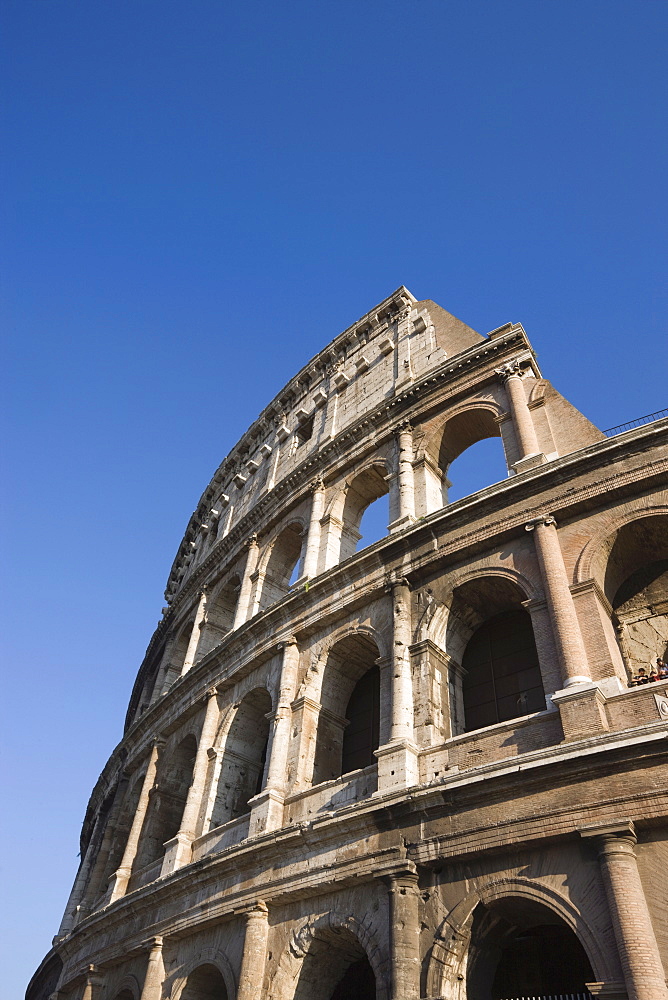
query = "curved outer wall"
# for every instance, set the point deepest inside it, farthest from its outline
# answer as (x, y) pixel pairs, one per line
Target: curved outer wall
(310, 781)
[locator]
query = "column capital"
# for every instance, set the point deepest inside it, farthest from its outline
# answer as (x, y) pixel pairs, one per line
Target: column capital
(536, 522)
(211, 692)
(258, 911)
(317, 485)
(392, 583)
(283, 644)
(511, 369)
(251, 541)
(403, 427)
(154, 943)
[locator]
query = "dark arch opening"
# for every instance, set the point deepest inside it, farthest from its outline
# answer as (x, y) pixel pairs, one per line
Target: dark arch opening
(205, 983)
(242, 772)
(641, 609)
(168, 801)
(336, 968)
(350, 700)
(502, 678)
(521, 948)
(361, 735)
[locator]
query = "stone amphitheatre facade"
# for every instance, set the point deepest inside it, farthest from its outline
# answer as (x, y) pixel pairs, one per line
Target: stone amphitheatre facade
(417, 770)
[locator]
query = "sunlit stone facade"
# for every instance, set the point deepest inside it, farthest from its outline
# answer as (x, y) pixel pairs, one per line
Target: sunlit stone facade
(417, 770)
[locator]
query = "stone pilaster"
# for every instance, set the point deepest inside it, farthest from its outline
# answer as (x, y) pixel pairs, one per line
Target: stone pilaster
(200, 616)
(525, 432)
(178, 851)
(245, 592)
(311, 558)
(404, 936)
(93, 983)
(636, 941)
(121, 877)
(404, 481)
(398, 759)
(155, 972)
(565, 624)
(254, 956)
(267, 806)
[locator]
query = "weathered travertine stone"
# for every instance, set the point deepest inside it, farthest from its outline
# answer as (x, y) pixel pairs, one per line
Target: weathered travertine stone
(367, 773)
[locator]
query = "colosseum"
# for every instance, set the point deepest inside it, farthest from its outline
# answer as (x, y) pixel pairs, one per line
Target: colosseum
(433, 767)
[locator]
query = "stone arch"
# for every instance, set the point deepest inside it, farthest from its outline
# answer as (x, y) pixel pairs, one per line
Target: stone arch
(329, 927)
(175, 653)
(459, 429)
(278, 560)
(221, 606)
(435, 626)
(347, 661)
(628, 561)
(446, 968)
(492, 601)
(345, 510)
(168, 800)
(211, 956)
(244, 755)
(127, 989)
(593, 551)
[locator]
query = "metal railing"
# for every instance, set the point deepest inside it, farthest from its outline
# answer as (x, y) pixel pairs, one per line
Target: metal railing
(638, 422)
(552, 996)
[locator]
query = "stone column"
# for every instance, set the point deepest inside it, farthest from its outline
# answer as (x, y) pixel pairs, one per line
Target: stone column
(565, 624)
(313, 541)
(178, 851)
(405, 478)
(397, 760)
(525, 432)
(191, 652)
(96, 883)
(245, 592)
(155, 972)
(93, 983)
(267, 805)
(404, 936)
(253, 960)
(121, 877)
(638, 949)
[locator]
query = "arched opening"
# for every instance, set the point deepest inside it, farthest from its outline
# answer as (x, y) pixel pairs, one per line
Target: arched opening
(242, 773)
(361, 735)
(484, 466)
(336, 968)
(479, 466)
(632, 569)
(522, 948)
(285, 555)
(502, 677)
(220, 609)
(44, 982)
(495, 673)
(374, 521)
(163, 819)
(125, 994)
(365, 488)
(641, 608)
(349, 720)
(205, 983)
(177, 654)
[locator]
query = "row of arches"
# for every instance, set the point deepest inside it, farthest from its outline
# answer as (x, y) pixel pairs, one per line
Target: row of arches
(509, 947)
(496, 675)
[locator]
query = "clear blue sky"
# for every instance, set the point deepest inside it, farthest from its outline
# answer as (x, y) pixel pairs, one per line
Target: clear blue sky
(199, 196)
